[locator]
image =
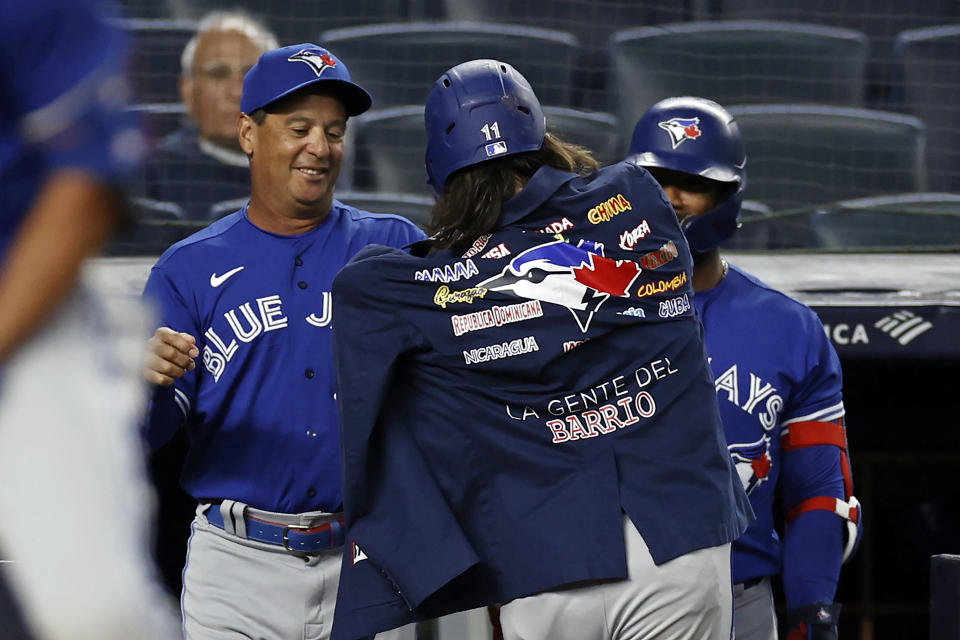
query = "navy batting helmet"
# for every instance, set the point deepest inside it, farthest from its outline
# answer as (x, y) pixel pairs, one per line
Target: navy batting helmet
(699, 137)
(478, 111)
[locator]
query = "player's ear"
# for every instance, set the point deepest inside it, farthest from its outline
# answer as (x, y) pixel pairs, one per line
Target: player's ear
(186, 94)
(246, 133)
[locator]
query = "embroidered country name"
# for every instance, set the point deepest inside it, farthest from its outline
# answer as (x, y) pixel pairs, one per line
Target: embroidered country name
(557, 226)
(662, 286)
(501, 350)
(445, 296)
(477, 246)
(636, 312)
(498, 251)
(606, 211)
(448, 273)
(661, 256)
(629, 239)
(496, 317)
(570, 345)
(674, 306)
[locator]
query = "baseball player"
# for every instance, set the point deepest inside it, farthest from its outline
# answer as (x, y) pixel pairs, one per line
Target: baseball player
(778, 382)
(242, 360)
(75, 500)
(527, 414)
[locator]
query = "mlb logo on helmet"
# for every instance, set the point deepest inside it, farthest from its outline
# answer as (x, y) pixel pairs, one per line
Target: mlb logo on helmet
(496, 149)
(681, 129)
(317, 59)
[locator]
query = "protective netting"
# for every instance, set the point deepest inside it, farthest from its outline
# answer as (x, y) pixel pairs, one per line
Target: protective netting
(839, 101)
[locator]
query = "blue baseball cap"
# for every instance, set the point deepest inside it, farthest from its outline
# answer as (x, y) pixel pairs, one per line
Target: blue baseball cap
(281, 72)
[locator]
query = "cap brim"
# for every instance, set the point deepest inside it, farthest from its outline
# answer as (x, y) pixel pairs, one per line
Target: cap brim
(355, 98)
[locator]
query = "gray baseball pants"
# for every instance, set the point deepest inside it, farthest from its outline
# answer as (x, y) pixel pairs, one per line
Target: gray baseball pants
(687, 598)
(235, 588)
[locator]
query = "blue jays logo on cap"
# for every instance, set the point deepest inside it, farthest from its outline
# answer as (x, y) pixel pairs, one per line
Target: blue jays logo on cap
(578, 277)
(753, 462)
(681, 129)
(317, 59)
(284, 71)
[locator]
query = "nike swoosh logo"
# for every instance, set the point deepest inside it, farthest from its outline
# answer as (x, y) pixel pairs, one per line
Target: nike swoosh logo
(216, 281)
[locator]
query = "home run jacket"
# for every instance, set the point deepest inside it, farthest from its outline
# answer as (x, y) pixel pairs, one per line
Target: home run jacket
(501, 408)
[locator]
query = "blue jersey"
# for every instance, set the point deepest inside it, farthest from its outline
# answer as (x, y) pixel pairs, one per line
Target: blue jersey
(774, 367)
(501, 408)
(260, 410)
(61, 101)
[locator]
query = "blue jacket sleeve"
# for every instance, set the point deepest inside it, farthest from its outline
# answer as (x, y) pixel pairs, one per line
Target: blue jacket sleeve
(395, 512)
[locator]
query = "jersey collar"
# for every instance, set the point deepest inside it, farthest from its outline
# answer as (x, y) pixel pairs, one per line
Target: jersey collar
(538, 190)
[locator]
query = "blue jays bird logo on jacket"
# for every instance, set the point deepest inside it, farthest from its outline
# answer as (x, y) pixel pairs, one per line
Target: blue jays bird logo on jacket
(577, 277)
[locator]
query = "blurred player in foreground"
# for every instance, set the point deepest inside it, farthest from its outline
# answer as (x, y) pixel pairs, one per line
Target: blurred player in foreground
(527, 414)
(75, 504)
(778, 382)
(243, 361)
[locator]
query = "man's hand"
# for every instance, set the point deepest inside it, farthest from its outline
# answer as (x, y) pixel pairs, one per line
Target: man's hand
(814, 622)
(170, 355)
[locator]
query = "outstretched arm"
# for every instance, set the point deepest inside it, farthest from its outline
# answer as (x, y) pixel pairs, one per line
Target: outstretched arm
(73, 217)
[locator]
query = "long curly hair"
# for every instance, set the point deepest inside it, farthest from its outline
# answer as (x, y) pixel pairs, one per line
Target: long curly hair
(473, 197)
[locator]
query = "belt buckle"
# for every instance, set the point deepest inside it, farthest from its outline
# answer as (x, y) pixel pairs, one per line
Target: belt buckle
(286, 536)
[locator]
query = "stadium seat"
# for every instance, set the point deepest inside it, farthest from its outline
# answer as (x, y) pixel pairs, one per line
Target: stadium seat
(413, 206)
(155, 57)
(591, 21)
(388, 151)
(880, 20)
(399, 62)
(755, 228)
(220, 209)
(894, 222)
(153, 227)
(735, 62)
(159, 120)
(805, 155)
(599, 132)
(929, 60)
(389, 145)
(297, 21)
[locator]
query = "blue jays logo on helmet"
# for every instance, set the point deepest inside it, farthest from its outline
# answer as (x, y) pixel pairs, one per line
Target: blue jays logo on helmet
(753, 462)
(718, 154)
(578, 277)
(681, 129)
(317, 59)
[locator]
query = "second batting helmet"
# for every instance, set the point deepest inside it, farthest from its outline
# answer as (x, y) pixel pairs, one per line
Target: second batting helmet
(478, 111)
(699, 137)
